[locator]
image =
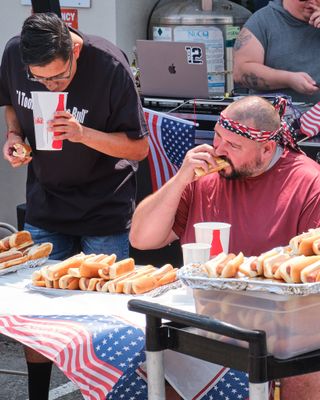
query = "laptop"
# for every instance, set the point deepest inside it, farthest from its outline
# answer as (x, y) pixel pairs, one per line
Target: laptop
(172, 69)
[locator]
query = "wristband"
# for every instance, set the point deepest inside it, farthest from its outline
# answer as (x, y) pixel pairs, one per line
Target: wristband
(14, 132)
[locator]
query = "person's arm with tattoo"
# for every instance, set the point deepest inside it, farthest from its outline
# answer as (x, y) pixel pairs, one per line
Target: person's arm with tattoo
(250, 72)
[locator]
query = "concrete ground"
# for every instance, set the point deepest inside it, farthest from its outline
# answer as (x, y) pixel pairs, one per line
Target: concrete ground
(14, 387)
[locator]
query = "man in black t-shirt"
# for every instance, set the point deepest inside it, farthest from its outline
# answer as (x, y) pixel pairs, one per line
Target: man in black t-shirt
(83, 197)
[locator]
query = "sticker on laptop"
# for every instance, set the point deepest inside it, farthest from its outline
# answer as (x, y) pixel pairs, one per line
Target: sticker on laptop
(194, 54)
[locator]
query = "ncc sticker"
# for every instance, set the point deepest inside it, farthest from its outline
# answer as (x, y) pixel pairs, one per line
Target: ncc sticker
(194, 55)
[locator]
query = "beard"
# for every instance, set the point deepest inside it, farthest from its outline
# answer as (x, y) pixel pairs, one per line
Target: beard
(247, 170)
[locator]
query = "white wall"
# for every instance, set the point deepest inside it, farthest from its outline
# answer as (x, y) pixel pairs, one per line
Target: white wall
(120, 21)
(132, 25)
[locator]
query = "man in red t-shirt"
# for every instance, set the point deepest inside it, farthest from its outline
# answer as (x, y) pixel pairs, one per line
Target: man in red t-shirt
(269, 193)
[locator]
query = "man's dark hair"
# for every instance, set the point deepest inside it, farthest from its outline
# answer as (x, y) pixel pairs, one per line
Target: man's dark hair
(44, 38)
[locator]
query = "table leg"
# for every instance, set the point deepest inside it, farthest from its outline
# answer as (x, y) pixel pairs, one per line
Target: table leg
(155, 371)
(259, 391)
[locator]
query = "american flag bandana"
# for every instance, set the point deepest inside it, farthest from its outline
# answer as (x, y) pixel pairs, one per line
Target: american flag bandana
(282, 136)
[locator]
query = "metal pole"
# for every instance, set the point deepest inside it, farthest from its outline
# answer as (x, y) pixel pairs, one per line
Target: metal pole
(258, 391)
(207, 5)
(155, 371)
(13, 372)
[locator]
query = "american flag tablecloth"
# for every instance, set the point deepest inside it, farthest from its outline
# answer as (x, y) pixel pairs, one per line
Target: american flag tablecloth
(94, 352)
(102, 355)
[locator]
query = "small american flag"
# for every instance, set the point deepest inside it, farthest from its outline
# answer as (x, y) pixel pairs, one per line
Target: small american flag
(310, 121)
(94, 352)
(170, 138)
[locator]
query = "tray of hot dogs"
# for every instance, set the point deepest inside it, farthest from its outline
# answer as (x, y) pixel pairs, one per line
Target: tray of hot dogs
(287, 270)
(18, 251)
(103, 273)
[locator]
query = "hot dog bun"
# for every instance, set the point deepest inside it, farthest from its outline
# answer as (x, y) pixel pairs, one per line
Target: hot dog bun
(91, 266)
(245, 267)
(39, 251)
(38, 279)
(310, 273)
(10, 255)
(20, 240)
(169, 277)
(100, 284)
(159, 273)
(4, 244)
(258, 264)
(296, 240)
(211, 265)
(75, 272)
(316, 246)
(115, 286)
(69, 282)
(290, 270)
(121, 267)
(220, 164)
(271, 264)
(144, 284)
(232, 266)
(88, 283)
(125, 286)
(21, 150)
(306, 244)
(58, 270)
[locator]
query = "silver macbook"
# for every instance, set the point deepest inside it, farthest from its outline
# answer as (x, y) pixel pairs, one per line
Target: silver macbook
(172, 69)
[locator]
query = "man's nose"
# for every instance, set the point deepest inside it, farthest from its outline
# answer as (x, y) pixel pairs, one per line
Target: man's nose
(220, 148)
(50, 85)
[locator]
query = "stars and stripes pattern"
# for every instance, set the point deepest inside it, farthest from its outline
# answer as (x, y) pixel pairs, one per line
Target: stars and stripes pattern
(233, 385)
(102, 355)
(310, 121)
(170, 138)
(93, 351)
(130, 387)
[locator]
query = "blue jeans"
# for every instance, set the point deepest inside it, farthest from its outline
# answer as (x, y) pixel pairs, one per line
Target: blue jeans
(65, 246)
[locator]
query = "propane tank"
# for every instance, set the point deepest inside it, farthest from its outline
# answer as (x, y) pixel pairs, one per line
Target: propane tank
(216, 23)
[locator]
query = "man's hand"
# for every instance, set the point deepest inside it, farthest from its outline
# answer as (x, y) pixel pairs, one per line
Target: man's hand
(67, 127)
(301, 82)
(198, 157)
(8, 151)
(315, 18)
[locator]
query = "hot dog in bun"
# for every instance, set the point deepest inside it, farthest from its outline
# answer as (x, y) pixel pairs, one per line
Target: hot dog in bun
(21, 150)
(220, 164)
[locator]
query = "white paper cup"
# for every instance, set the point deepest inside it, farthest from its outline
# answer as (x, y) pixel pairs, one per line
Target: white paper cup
(217, 234)
(45, 104)
(195, 253)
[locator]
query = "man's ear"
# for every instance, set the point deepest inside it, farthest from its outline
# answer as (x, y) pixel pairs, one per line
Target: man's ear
(76, 50)
(269, 148)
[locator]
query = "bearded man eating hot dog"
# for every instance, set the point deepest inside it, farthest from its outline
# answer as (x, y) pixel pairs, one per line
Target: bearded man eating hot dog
(269, 193)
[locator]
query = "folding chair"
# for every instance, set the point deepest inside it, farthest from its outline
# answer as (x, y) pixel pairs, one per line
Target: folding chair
(6, 230)
(261, 366)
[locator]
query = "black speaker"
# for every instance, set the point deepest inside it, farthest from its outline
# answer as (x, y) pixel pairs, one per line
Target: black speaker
(40, 6)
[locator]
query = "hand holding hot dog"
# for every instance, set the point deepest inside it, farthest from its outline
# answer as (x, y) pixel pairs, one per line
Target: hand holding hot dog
(198, 162)
(16, 151)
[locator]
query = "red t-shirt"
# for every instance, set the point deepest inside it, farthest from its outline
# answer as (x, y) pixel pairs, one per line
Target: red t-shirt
(265, 211)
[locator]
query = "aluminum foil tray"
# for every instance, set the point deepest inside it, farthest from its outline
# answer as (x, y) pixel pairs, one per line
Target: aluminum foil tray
(26, 265)
(191, 275)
